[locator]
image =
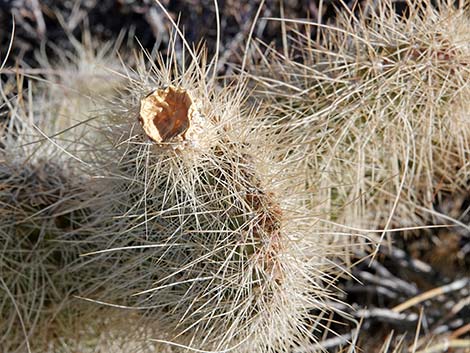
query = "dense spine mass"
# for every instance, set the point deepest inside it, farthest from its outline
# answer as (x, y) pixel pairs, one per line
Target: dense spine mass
(44, 212)
(210, 234)
(377, 110)
(165, 200)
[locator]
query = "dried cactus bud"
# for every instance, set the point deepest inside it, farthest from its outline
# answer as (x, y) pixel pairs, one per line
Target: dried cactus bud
(166, 114)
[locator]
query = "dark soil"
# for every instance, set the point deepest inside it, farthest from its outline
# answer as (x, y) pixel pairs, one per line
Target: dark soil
(40, 23)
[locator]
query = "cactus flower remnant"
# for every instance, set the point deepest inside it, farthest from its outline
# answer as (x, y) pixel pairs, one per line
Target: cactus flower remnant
(166, 114)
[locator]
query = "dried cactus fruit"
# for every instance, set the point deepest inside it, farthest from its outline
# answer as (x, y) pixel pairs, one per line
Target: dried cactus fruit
(166, 114)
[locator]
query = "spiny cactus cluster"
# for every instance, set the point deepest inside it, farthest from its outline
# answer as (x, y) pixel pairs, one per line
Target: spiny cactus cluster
(182, 215)
(174, 211)
(379, 104)
(219, 226)
(45, 209)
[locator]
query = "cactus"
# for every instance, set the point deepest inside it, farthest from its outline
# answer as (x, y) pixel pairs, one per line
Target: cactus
(47, 204)
(43, 209)
(379, 107)
(206, 232)
(168, 202)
